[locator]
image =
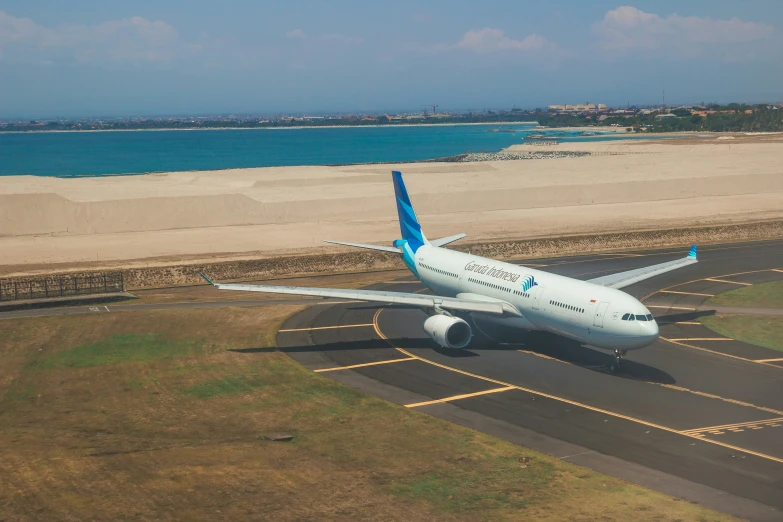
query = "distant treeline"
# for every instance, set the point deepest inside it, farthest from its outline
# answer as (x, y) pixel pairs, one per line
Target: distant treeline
(733, 117)
(716, 118)
(513, 116)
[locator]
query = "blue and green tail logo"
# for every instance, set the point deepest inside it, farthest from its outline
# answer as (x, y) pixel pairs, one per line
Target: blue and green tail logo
(409, 224)
(412, 236)
(528, 283)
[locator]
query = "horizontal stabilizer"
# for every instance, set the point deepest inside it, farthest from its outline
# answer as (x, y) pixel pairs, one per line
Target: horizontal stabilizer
(207, 279)
(446, 240)
(362, 245)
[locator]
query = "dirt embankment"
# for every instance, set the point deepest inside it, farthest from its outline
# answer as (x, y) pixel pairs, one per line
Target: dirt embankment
(365, 260)
(618, 186)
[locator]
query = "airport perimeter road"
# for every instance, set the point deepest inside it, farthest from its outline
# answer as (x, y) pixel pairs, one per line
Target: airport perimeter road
(101, 308)
(694, 415)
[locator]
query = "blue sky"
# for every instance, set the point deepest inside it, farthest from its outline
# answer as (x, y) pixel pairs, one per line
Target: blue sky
(144, 57)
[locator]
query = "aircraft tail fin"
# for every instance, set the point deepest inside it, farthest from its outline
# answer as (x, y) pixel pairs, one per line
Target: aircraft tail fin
(409, 223)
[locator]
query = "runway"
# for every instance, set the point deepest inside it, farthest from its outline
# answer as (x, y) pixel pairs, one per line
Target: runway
(695, 415)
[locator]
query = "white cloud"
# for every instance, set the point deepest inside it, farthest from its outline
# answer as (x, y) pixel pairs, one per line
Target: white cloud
(296, 33)
(342, 38)
(627, 28)
(490, 40)
(130, 40)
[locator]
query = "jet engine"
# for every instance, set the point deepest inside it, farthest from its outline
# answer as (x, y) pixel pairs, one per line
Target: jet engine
(447, 331)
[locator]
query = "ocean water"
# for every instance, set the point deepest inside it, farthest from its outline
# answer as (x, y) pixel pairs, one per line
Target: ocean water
(67, 154)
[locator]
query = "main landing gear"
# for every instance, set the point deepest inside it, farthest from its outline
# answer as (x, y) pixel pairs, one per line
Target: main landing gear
(618, 357)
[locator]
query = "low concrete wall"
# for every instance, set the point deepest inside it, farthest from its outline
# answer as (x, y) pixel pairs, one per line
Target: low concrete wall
(367, 260)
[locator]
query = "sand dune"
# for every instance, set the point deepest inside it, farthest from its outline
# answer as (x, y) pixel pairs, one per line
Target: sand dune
(625, 185)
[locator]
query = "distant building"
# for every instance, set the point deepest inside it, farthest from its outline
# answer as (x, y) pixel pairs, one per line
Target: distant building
(579, 108)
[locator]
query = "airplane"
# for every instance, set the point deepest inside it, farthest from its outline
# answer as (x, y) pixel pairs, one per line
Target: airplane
(593, 312)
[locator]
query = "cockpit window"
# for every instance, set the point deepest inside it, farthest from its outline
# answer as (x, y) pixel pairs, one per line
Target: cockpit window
(625, 317)
(649, 317)
(641, 317)
(630, 317)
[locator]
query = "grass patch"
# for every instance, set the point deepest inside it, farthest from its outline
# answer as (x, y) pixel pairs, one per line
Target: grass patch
(765, 331)
(156, 415)
(118, 349)
(763, 295)
(464, 491)
(226, 386)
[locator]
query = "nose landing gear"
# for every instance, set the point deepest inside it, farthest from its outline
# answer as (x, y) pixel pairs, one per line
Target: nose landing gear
(618, 357)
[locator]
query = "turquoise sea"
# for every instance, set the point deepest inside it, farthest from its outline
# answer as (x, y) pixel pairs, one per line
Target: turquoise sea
(67, 154)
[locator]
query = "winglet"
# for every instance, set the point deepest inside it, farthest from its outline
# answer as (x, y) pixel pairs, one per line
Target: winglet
(692, 253)
(208, 280)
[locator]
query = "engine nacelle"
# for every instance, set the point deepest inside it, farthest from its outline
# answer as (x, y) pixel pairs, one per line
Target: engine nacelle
(448, 332)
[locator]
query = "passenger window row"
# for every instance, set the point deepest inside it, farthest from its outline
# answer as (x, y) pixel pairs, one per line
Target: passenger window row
(520, 292)
(439, 271)
(490, 285)
(632, 317)
(568, 307)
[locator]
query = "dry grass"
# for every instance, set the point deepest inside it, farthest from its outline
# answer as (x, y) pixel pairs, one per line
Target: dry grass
(152, 415)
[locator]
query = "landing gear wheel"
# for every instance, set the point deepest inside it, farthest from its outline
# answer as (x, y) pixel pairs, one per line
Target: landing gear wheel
(618, 357)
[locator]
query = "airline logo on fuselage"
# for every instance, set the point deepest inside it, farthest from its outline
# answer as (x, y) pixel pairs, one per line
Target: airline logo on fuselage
(528, 281)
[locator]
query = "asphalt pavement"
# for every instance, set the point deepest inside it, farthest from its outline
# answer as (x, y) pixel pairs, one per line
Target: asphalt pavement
(695, 415)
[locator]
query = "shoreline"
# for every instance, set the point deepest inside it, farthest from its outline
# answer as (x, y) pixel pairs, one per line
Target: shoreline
(298, 127)
(609, 137)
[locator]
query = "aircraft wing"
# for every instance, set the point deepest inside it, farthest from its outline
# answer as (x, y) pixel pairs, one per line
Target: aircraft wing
(623, 279)
(427, 301)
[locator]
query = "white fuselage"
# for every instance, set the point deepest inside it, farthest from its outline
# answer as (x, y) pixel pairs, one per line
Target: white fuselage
(576, 309)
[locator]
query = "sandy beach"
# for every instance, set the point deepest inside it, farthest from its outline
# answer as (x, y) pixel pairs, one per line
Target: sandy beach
(621, 186)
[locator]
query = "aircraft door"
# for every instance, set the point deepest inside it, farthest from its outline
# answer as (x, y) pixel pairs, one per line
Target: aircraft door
(598, 320)
(538, 296)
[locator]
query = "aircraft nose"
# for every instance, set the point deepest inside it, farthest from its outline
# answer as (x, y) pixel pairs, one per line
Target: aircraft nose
(650, 330)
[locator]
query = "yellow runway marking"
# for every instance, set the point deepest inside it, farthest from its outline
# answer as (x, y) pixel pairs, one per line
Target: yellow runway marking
(725, 281)
(718, 397)
(767, 360)
(776, 270)
(324, 327)
(684, 293)
(717, 353)
(737, 426)
(687, 322)
(702, 339)
(458, 397)
(564, 400)
(338, 368)
(670, 307)
(543, 356)
(697, 280)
